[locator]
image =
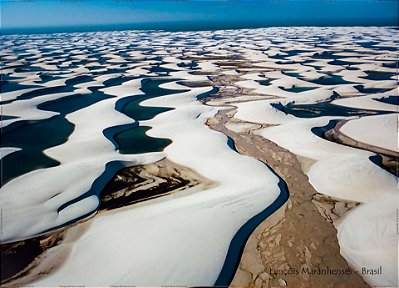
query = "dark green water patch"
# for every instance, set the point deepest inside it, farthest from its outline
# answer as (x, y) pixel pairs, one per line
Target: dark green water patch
(323, 109)
(391, 64)
(295, 52)
(27, 68)
(351, 68)
(131, 138)
(329, 80)
(44, 78)
(131, 107)
(135, 141)
(207, 94)
(279, 56)
(78, 80)
(385, 48)
(150, 87)
(321, 131)
(41, 92)
(192, 65)
(195, 84)
(293, 74)
(340, 62)
(379, 75)
(365, 90)
(325, 80)
(159, 69)
(367, 45)
(324, 55)
(8, 86)
(297, 89)
(394, 100)
(137, 112)
(266, 82)
(7, 117)
(287, 62)
(74, 102)
(33, 138)
(116, 80)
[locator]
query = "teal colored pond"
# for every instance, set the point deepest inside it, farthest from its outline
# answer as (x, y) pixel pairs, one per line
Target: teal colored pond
(131, 107)
(323, 109)
(296, 89)
(74, 102)
(33, 138)
(135, 141)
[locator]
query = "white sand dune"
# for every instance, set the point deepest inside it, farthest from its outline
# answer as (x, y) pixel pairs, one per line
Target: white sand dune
(182, 239)
(380, 131)
(183, 226)
(375, 245)
(370, 102)
(336, 167)
(83, 158)
(4, 151)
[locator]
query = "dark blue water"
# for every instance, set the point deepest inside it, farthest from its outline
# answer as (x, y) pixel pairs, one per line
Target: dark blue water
(73, 102)
(266, 82)
(135, 141)
(296, 89)
(378, 75)
(340, 62)
(329, 80)
(131, 107)
(394, 100)
(365, 90)
(7, 117)
(33, 139)
(163, 70)
(323, 109)
(132, 139)
(7, 86)
(391, 65)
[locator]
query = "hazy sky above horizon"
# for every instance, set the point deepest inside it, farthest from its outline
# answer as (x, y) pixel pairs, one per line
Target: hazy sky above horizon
(23, 15)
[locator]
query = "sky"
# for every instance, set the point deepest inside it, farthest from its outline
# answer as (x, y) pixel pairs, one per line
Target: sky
(21, 16)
